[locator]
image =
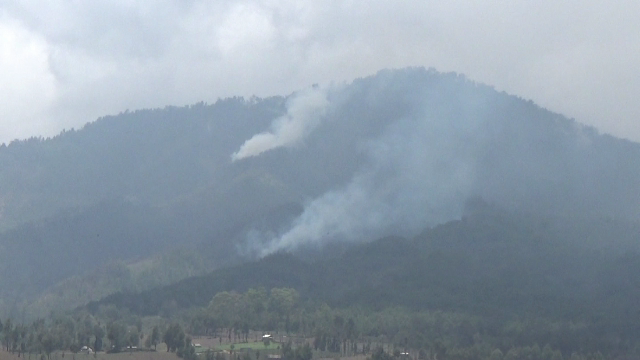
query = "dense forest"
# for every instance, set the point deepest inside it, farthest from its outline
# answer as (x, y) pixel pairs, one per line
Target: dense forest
(493, 285)
(392, 153)
(427, 212)
(496, 267)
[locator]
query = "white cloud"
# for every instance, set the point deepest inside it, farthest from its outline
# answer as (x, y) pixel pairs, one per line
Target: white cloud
(94, 58)
(245, 25)
(27, 85)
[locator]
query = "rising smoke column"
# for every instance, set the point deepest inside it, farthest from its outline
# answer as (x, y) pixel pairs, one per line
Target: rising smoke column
(419, 172)
(305, 111)
(419, 165)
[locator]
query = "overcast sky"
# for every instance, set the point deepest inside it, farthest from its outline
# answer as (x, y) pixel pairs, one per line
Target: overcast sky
(65, 63)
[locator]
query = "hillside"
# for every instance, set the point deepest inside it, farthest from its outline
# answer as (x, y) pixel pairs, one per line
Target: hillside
(490, 262)
(497, 266)
(383, 156)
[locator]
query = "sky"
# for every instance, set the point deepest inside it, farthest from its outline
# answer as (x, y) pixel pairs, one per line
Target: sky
(66, 63)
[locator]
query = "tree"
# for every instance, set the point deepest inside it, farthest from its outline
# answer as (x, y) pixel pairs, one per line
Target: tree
(379, 354)
(496, 354)
(282, 301)
(18, 337)
(557, 355)
(133, 337)
(256, 303)
(440, 349)
(174, 337)
(513, 354)
(7, 334)
(208, 355)
(155, 337)
(64, 329)
(287, 352)
(304, 352)
(49, 343)
(117, 335)
(547, 352)
(225, 306)
(536, 352)
(186, 350)
(98, 332)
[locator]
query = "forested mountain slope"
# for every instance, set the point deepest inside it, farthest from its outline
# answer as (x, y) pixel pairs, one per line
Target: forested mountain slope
(382, 156)
(493, 264)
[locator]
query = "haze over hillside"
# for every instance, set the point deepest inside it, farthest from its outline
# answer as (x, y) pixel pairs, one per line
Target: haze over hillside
(517, 279)
(390, 154)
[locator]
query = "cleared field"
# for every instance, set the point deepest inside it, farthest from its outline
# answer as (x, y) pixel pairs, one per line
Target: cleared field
(140, 355)
(259, 345)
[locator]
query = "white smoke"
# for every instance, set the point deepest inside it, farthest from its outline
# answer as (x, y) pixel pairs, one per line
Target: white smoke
(416, 167)
(305, 111)
(420, 172)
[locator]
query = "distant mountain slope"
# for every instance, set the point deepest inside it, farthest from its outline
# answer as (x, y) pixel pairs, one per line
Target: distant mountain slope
(522, 155)
(491, 263)
(116, 276)
(147, 155)
(385, 155)
(40, 260)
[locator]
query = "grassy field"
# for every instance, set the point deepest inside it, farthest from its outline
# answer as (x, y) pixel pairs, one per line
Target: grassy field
(140, 355)
(259, 345)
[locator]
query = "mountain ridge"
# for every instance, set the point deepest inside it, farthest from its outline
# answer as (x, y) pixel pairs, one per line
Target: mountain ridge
(500, 264)
(392, 153)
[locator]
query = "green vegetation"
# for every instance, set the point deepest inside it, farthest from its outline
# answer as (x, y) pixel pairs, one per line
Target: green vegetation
(152, 272)
(135, 186)
(253, 345)
(492, 283)
(143, 224)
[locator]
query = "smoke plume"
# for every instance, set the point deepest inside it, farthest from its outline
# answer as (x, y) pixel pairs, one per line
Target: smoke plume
(419, 172)
(412, 146)
(304, 112)
(417, 166)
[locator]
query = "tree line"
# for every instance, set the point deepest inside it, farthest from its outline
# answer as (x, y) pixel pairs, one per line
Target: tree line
(392, 331)
(381, 334)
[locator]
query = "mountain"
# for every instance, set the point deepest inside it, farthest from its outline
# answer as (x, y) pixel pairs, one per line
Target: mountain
(496, 265)
(490, 261)
(385, 155)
